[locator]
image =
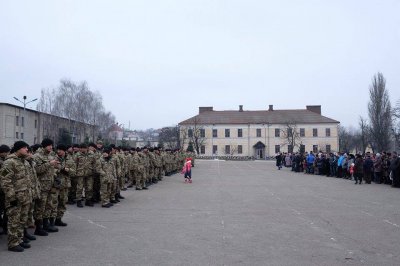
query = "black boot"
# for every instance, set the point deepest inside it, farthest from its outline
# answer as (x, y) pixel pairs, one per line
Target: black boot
(116, 198)
(39, 228)
(120, 197)
(59, 222)
(79, 204)
(17, 248)
(29, 236)
(89, 203)
(52, 228)
(25, 245)
(46, 224)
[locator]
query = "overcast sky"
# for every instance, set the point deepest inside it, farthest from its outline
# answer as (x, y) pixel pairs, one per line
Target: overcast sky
(155, 62)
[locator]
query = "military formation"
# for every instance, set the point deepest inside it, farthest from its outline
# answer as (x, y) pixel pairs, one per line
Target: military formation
(38, 182)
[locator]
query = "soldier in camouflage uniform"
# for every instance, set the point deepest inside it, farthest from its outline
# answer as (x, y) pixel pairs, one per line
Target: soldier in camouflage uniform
(158, 164)
(67, 168)
(35, 192)
(46, 169)
(14, 181)
(107, 177)
(73, 153)
(4, 151)
(84, 178)
(131, 168)
(96, 180)
(151, 170)
(140, 160)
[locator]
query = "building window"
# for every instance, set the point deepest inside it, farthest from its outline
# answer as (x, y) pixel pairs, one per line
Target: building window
(22, 121)
(227, 149)
(277, 148)
(22, 135)
(315, 132)
(203, 149)
(240, 149)
(17, 120)
(302, 132)
(328, 148)
(240, 133)
(215, 133)
(302, 148)
(215, 149)
(290, 148)
(277, 132)
(315, 148)
(328, 132)
(16, 135)
(227, 133)
(190, 133)
(258, 132)
(202, 133)
(35, 123)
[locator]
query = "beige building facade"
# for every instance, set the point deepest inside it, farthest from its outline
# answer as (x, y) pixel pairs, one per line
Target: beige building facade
(260, 134)
(31, 126)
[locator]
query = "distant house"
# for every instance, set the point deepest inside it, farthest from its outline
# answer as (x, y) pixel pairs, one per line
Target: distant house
(115, 133)
(260, 133)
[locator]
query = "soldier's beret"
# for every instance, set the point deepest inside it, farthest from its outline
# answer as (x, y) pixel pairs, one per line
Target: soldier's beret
(91, 144)
(62, 147)
(4, 148)
(46, 142)
(83, 146)
(35, 147)
(112, 146)
(107, 149)
(19, 145)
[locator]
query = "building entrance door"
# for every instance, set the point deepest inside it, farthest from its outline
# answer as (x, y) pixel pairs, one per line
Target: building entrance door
(260, 153)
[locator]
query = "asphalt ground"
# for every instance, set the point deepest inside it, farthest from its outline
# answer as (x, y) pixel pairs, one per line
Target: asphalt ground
(234, 213)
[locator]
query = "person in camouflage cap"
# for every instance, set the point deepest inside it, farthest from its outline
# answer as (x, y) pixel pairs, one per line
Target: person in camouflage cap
(14, 182)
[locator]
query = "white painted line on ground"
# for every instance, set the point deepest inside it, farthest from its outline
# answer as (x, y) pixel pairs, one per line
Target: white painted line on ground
(96, 224)
(367, 213)
(386, 221)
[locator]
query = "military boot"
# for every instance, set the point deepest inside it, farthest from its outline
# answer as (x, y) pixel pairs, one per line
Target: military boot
(17, 248)
(52, 228)
(59, 222)
(89, 203)
(39, 229)
(25, 245)
(28, 236)
(117, 198)
(79, 204)
(120, 197)
(46, 224)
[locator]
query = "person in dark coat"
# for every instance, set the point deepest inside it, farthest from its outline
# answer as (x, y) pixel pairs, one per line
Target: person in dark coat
(358, 169)
(279, 161)
(368, 168)
(395, 169)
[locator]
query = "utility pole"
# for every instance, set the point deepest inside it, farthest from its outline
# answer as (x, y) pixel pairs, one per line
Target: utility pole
(22, 124)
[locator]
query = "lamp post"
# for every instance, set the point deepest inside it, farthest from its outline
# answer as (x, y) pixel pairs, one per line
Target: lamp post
(22, 125)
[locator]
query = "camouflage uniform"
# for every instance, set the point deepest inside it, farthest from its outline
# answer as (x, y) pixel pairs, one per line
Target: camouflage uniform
(14, 179)
(45, 173)
(35, 190)
(67, 170)
(107, 177)
(158, 165)
(85, 165)
(141, 171)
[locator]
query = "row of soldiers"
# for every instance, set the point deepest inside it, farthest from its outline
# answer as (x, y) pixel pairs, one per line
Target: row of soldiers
(36, 183)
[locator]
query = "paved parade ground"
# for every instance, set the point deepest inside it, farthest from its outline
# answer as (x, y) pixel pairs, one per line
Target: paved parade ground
(234, 213)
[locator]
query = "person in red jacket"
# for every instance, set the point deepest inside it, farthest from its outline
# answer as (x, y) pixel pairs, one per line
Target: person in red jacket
(187, 170)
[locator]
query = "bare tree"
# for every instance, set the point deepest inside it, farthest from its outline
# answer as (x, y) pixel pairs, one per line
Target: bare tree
(380, 114)
(290, 135)
(364, 133)
(196, 134)
(79, 105)
(169, 136)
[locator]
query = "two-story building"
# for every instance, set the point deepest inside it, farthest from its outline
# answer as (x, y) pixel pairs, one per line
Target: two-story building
(260, 133)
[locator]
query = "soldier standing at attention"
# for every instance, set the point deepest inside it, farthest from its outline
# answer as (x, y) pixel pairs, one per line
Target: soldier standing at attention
(66, 167)
(107, 177)
(4, 151)
(14, 182)
(46, 165)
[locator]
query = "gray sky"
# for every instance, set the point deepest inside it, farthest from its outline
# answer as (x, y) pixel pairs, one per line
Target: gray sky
(155, 62)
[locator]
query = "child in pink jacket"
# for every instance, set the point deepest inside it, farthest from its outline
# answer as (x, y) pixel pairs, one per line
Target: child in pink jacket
(187, 170)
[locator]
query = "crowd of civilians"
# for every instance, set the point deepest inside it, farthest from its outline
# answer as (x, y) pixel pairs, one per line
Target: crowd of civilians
(380, 168)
